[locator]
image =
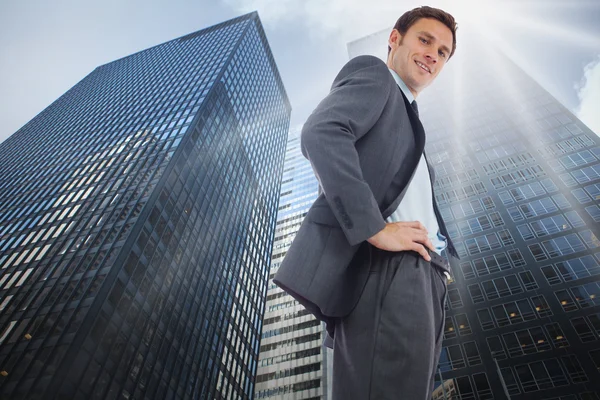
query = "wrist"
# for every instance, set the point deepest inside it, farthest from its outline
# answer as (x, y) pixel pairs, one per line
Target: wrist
(376, 238)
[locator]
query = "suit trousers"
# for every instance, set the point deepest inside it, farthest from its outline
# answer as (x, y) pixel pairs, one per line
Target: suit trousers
(389, 346)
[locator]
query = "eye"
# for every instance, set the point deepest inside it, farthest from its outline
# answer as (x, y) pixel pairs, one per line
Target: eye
(424, 40)
(442, 54)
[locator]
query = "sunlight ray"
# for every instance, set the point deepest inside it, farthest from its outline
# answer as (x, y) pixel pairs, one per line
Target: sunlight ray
(525, 63)
(565, 33)
(554, 4)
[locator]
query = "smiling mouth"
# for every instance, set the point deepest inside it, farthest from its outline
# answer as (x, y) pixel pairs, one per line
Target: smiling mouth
(423, 66)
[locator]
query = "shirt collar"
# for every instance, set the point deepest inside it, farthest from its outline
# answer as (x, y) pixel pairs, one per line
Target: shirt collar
(402, 86)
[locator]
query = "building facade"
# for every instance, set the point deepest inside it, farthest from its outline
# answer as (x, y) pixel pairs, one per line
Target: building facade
(518, 184)
(293, 364)
(137, 215)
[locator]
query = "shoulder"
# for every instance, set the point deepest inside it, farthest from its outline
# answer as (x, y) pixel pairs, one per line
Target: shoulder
(367, 61)
(370, 66)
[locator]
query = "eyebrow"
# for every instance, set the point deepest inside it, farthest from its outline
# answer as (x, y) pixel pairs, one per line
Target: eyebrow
(433, 38)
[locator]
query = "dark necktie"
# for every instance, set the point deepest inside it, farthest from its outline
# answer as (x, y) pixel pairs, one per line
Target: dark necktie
(415, 107)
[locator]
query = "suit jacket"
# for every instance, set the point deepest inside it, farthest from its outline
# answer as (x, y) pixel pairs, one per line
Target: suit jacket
(361, 140)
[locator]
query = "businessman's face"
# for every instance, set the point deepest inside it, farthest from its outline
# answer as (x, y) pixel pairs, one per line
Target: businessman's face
(419, 55)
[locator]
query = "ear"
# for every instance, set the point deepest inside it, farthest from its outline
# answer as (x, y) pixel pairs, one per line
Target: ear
(394, 38)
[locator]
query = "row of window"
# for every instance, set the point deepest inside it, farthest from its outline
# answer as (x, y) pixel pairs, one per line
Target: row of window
(492, 264)
(509, 163)
(587, 193)
(527, 341)
(528, 191)
(579, 297)
(475, 386)
(581, 176)
(475, 225)
(573, 269)
(511, 313)
(550, 225)
(568, 145)
(564, 245)
(538, 207)
(543, 375)
(291, 388)
(575, 160)
(519, 176)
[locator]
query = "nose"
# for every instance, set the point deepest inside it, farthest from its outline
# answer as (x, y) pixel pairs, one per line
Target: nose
(431, 58)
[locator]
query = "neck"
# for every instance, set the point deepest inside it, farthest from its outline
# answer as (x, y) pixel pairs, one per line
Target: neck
(414, 92)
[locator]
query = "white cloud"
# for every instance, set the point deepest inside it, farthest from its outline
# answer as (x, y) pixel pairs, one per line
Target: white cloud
(348, 19)
(588, 91)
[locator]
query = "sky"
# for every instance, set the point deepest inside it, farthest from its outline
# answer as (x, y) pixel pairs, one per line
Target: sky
(47, 47)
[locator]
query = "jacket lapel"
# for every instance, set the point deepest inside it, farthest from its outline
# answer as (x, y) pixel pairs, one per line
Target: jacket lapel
(419, 134)
(417, 127)
(430, 169)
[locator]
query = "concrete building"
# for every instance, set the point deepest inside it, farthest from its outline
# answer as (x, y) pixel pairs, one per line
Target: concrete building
(292, 364)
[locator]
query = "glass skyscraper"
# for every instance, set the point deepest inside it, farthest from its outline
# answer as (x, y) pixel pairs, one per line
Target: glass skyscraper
(518, 184)
(137, 215)
(292, 363)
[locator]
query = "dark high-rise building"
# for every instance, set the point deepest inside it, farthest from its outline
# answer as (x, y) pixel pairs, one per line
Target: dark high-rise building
(137, 215)
(518, 184)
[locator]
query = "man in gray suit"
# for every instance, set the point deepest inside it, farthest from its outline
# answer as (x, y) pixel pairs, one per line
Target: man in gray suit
(368, 258)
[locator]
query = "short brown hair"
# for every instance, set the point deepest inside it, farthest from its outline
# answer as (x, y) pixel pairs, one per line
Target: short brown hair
(409, 18)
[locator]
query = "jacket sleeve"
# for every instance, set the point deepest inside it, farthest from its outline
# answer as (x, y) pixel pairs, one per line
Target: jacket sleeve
(354, 104)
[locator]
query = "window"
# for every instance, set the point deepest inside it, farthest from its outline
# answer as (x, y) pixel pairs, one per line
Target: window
(549, 226)
(538, 207)
(496, 347)
(589, 239)
(578, 268)
(516, 258)
(485, 319)
(472, 353)
(505, 237)
(476, 293)
(475, 225)
(581, 195)
(541, 306)
(575, 220)
(510, 380)
(502, 287)
(455, 299)
(587, 295)
(463, 388)
(573, 368)
(515, 214)
(561, 201)
(541, 375)
(595, 356)
(452, 358)
(583, 329)
(537, 252)
(467, 270)
(528, 281)
(483, 243)
(594, 320)
(525, 232)
(513, 312)
(556, 335)
(565, 300)
(491, 264)
(482, 386)
(449, 329)
(464, 328)
(551, 275)
(594, 212)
